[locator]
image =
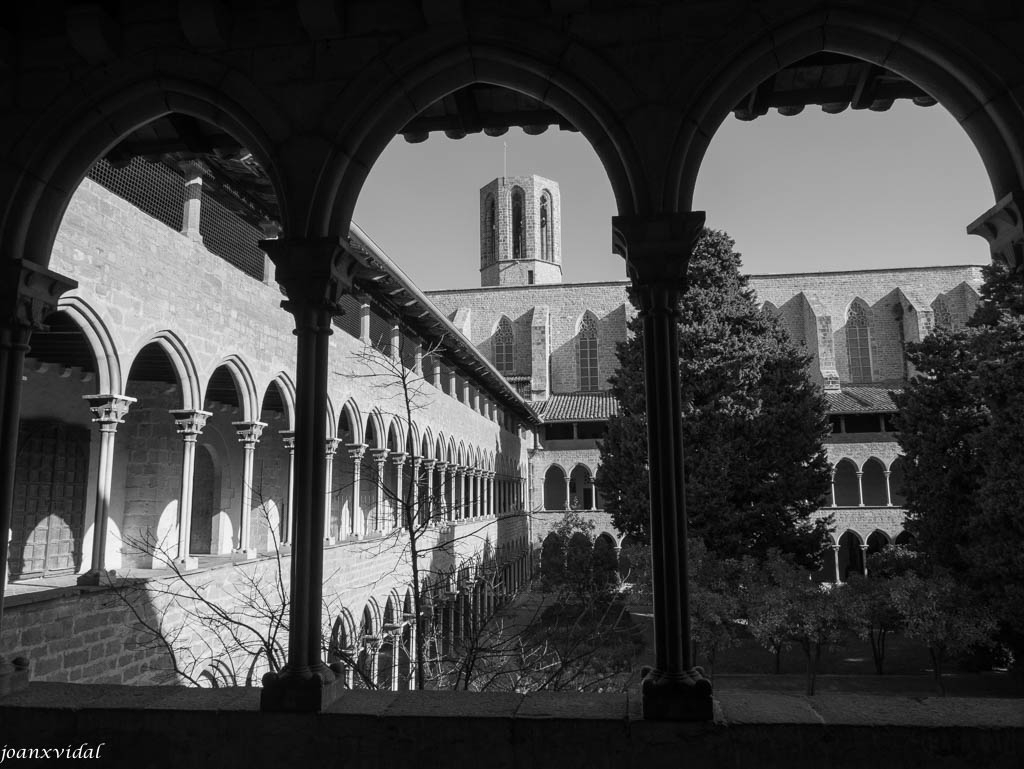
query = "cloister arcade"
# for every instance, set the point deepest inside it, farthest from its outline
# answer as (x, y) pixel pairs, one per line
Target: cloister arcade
(648, 87)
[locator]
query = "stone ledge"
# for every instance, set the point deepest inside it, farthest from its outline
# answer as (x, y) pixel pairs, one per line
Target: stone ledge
(167, 726)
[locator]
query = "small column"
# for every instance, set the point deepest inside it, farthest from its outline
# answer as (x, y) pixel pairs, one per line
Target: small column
(380, 456)
(657, 249)
(248, 435)
(417, 359)
(491, 494)
(435, 374)
(396, 343)
(835, 561)
(28, 293)
(398, 503)
(864, 558)
(190, 424)
(439, 511)
(192, 214)
(331, 447)
(860, 488)
(833, 487)
(888, 489)
(288, 438)
(568, 497)
(414, 515)
(452, 383)
(358, 524)
(593, 494)
(108, 411)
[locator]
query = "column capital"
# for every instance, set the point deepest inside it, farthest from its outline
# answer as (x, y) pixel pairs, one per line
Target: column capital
(314, 272)
(380, 456)
(415, 461)
(440, 465)
(657, 247)
(331, 445)
(355, 450)
(190, 422)
(1003, 227)
(398, 458)
(426, 464)
(108, 410)
(288, 439)
(249, 432)
(30, 291)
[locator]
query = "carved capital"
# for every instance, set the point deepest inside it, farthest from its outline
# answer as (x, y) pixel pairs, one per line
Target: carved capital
(331, 446)
(426, 464)
(398, 458)
(380, 456)
(356, 450)
(29, 292)
(288, 438)
(657, 247)
(314, 272)
(108, 410)
(440, 465)
(1003, 227)
(249, 432)
(190, 422)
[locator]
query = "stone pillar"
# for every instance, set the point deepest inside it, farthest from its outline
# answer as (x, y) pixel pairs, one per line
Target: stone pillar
(331, 446)
(398, 503)
(314, 273)
(1003, 227)
(28, 293)
(441, 512)
(860, 488)
(189, 424)
(888, 489)
(248, 435)
(108, 411)
(193, 201)
(417, 359)
(355, 453)
(288, 438)
(593, 493)
(427, 502)
(414, 514)
(568, 496)
(380, 456)
(364, 323)
(864, 558)
(657, 250)
(832, 481)
(835, 561)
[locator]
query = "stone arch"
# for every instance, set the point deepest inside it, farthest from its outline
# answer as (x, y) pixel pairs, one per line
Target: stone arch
(284, 384)
(98, 111)
(845, 483)
(877, 541)
(857, 334)
(554, 487)
(546, 221)
(897, 478)
(249, 402)
(581, 487)
(587, 346)
(503, 342)
(552, 558)
(873, 483)
(961, 81)
(850, 554)
(374, 434)
(586, 91)
(182, 363)
(104, 350)
(604, 562)
(350, 423)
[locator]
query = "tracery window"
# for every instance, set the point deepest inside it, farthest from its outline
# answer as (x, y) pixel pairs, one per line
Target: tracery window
(504, 347)
(943, 317)
(518, 225)
(858, 344)
(589, 380)
(547, 241)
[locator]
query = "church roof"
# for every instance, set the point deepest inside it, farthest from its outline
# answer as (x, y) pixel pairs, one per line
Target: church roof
(862, 399)
(577, 407)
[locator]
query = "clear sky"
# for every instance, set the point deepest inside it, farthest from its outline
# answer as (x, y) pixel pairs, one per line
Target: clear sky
(806, 193)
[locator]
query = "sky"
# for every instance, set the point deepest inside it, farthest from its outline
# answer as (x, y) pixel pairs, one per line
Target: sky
(808, 193)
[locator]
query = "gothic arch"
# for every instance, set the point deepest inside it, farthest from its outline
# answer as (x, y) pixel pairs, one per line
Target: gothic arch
(284, 383)
(857, 334)
(925, 49)
(108, 364)
(181, 361)
(587, 347)
(504, 345)
(350, 413)
(244, 383)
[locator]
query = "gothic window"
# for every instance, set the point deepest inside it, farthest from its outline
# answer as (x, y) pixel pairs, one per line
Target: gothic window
(504, 347)
(489, 233)
(943, 317)
(858, 345)
(589, 381)
(547, 241)
(518, 225)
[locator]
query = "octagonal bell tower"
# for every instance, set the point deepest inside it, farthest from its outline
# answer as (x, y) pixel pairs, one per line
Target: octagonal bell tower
(520, 232)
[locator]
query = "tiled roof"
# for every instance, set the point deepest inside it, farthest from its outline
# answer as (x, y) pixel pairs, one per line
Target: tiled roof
(577, 407)
(862, 399)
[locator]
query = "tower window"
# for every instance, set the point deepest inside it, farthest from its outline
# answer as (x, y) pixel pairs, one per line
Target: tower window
(589, 380)
(504, 347)
(858, 344)
(546, 229)
(518, 225)
(529, 277)
(488, 233)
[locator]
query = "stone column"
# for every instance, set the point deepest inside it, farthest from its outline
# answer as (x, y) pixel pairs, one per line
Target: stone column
(288, 438)
(331, 446)
(398, 503)
(193, 201)
(1003, 227)
(888, 489)
(864, 558)
(860, 488)
(314, 274)
(832, 481)
(108, 411)
(28, 293)
(355, 453)
(189, 424)
(439, 512)
(415, 516)
(380, 456)
(835, 561)
(248, 435)
(593, 493)
(568, 495)
(657, 250)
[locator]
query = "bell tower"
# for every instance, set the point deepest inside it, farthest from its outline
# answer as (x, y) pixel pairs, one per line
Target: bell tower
(520, 232)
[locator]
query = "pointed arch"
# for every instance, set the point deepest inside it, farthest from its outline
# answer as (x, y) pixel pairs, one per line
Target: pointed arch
(858, 341)
(504, 343)
(586, 352)
(108, 364)
(284, 383)
(182, 363)
(350, 422)
(518, 222)
(547, 226)
(244, 383)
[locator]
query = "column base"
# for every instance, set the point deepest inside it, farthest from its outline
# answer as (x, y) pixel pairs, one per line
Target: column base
(246, 555)
(188, 563)
(13, 675)
(300, 692)
(96, 577)
(330, 541)
(676, 697)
